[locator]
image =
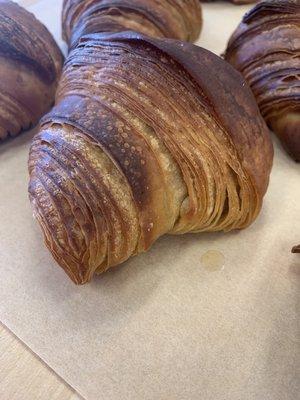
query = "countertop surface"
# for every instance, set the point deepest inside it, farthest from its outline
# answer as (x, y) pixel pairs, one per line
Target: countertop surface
(23, 376)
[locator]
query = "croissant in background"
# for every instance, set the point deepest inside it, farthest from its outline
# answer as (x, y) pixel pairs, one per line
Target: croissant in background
(296, 249)
(30, 64)
(158, 18)
(144, 140)
(265, 49)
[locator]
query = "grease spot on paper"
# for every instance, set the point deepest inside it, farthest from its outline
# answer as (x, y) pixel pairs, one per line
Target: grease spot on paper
(213, 260)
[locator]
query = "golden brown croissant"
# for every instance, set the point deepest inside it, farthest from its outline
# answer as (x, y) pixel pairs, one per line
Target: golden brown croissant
(265, 48)
(30, 64)
(148, 136)
(178, 19)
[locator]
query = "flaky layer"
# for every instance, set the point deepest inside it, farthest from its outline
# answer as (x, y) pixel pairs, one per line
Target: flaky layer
(178, 19)
(30, 63)
(265, 48)
(146, 144)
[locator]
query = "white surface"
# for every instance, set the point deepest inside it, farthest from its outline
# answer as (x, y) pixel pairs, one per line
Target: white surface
(162, 326)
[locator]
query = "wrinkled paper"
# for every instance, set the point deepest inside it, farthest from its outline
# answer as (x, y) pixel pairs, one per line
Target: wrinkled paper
(206, 316)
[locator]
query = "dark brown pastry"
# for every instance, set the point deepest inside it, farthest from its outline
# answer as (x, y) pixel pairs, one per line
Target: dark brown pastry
(296, 249)
(148, 136)
(30, 64)
(265, 49)
(178, 19)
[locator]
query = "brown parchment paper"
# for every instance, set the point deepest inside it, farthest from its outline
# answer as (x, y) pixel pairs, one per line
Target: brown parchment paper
(177, 323)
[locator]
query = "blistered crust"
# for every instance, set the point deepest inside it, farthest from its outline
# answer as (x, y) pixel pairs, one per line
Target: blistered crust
(164, 138)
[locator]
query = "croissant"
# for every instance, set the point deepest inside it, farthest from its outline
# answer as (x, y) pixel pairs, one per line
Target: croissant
(158, 18)
(144, 140)
(296, 249)
(265, 49)
(30, 65)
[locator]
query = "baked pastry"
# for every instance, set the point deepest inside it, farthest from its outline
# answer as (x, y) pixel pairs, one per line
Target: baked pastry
(144, 140)
(158, 18)
(296, 249)
(30, 62)
(265, 48)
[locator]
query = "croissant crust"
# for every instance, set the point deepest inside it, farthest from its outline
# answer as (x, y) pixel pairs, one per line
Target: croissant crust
(139, 146)
(265, 49)
(31, 63)
(164, 18)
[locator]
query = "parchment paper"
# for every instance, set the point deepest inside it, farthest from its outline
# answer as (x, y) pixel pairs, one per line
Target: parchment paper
(177, 323)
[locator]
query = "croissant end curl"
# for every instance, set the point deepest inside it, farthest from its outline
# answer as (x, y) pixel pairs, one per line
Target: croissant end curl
(265, 49)
(30, 65)
(296, 249)
(148, 136)
(178, 19)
